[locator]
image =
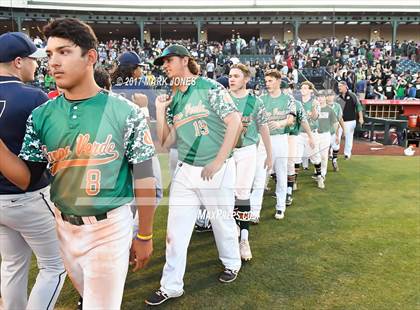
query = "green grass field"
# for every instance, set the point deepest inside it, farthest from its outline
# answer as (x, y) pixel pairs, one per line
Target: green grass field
(354, 245)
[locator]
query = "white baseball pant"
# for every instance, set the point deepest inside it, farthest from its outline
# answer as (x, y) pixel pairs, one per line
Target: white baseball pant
(280, 154)
(303, 148)
(189, 191)
(27, 224)
(334, 145)
(96, 256)
(246, 162)
(173, 161)
(324, 146)
(292, 158)
(350, 126)
(260, 181)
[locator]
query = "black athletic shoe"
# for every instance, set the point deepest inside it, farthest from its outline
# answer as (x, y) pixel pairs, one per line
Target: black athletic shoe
(80, 304)
(159, 297)
(201, 229)
(346, 157)
(228, 275)
(289, 200)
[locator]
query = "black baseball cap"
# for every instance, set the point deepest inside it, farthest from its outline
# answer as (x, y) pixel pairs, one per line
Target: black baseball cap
(172, 50)
(18, 44)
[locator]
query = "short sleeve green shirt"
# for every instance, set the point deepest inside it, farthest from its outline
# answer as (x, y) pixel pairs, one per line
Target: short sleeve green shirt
(278, 108)
(251, 120)
(300, 117)
(88, 145)
(198, 117)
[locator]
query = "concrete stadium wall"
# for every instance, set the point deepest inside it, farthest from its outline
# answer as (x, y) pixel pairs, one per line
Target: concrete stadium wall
(368, 32)
(408, 32)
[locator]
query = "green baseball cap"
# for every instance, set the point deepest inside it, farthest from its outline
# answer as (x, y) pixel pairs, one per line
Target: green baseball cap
(172, 50)
(284, 84)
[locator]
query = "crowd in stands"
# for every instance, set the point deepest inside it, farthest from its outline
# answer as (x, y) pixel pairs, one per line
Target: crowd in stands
(371, 69)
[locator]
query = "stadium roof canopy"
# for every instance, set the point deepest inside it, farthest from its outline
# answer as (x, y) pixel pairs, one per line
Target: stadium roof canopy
(165, 6)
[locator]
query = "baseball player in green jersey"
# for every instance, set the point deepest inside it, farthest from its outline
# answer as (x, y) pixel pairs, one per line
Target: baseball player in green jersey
(326, 121)
(205, 123)
(312, 111)
(335, 135)
(293, 132)
(92, 140)
(281, 111)
(254, 121)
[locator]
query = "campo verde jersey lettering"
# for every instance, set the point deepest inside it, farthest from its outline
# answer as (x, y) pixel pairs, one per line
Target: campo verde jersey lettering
(278, 109)
(88, 145)
(197, 115)
(300, 117)
(326, 120)
(251, 120)
(313, 123)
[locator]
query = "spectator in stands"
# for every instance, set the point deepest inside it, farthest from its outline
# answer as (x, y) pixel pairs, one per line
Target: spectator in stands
(210, 69)
(411, 91)
(401, 88)
(389, 91)
(361, 87)
(48, 81)
(261, 46)
(379, 90)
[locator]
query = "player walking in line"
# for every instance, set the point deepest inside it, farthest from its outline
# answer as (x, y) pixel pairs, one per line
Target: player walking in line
(205, 123)
(26, 219)
(326, 122)
(281, 111)
(335, 142)
(293, 132)
(254, 121)
(312, 111)
(92, 140)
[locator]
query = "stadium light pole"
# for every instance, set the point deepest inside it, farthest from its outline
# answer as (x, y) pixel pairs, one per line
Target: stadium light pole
(140, 23)
(394, 25)
(296, 25)
(198, 25)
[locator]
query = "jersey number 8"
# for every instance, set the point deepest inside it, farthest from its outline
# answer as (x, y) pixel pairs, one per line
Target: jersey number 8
(93, 182)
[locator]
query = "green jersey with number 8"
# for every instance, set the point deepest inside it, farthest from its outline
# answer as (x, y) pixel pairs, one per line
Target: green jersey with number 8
(89, 145)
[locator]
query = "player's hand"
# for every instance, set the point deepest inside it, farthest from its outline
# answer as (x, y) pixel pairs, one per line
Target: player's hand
(140, 253)
(337, 140)
(311, 143)
(163, 101)
(273, 125)
(268, 164)
(361, 121)
(140, 100)
(210, 170)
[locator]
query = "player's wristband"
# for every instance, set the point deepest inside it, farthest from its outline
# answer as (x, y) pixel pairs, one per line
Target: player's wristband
(143, 237)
